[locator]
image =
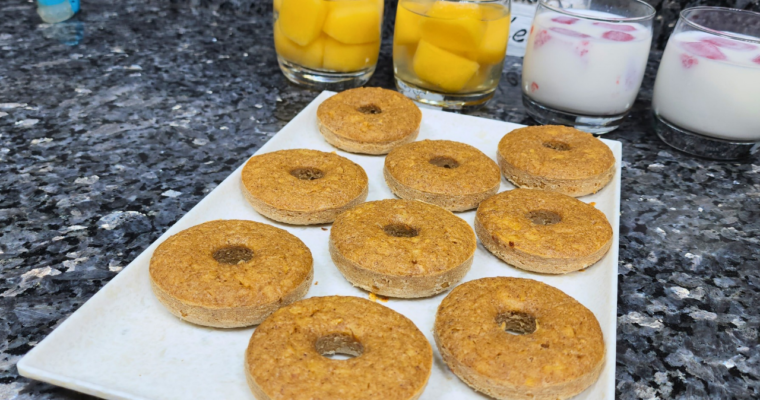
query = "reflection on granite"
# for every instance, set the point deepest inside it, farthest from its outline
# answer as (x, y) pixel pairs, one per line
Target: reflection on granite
(105, 144)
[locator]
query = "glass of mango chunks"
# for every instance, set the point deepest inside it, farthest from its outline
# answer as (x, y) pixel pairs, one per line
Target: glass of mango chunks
(450, 53)
(328, 44)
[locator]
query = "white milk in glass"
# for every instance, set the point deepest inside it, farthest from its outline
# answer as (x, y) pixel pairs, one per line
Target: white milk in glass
(710, 85)
(584, 66)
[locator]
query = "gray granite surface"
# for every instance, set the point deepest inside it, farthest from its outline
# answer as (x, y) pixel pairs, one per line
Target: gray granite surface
(105, 144)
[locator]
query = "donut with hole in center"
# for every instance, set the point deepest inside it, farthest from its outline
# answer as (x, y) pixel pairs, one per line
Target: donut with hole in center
(402, 248)
(230, 273)
(543, 231)
(368, 120)
(291, 355)
(303, 187)
(556, 158)
(452, 175)
(519, 339)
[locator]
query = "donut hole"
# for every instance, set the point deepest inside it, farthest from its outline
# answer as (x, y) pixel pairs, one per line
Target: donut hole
(556, 145)
(338, 346)
(307, 173)
(516, 322)
(369, 109)
(400, 230)
(233, 255)
(543, 217)
(444, 162)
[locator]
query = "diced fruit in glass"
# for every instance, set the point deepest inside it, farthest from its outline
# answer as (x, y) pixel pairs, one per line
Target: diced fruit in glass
(308, 56)
(349, 57)
(454, 26)
(314, 53)
(493, 47)
(408, 20)
(442, 68)
(301, 20)
(353, 22)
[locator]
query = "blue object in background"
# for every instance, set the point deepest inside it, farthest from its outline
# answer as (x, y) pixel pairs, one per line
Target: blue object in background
(53, 11)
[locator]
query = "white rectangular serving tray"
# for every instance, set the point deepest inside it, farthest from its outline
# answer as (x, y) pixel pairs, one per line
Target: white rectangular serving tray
(123, 344)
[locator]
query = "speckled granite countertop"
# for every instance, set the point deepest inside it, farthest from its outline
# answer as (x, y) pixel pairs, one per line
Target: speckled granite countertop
(104, 145)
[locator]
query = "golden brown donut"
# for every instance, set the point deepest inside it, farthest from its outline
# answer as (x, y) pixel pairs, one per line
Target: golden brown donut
(286, 356)
(402, 248)
(542, 231)
(556, 158)
(230, 273)
(303, 187)
(452, 175)
(555, 351)
(368, 120)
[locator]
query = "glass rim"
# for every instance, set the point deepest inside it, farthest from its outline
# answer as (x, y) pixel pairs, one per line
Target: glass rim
(566, 11)
(733, 36)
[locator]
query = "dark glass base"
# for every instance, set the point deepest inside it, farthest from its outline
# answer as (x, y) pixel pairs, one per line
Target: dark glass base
(546, 115)
(322, 80)
(700, 145)
(448, 101)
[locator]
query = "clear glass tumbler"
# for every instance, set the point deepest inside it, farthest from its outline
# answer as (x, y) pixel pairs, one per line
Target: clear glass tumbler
(328, 44)
(585, 60)
(450, 53)
(707, 92)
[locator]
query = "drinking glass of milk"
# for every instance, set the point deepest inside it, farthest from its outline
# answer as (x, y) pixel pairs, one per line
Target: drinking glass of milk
(707, 93)
(585, 60)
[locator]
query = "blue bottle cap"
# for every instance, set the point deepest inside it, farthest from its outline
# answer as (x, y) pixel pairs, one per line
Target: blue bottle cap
(50, 2)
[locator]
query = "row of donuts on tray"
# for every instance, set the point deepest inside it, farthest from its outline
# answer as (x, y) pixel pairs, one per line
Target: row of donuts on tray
(233, 273)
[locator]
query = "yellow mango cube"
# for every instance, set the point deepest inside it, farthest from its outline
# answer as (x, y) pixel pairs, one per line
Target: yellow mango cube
(444, 69)
(349, 57)
(494, 44)
(308, 56)
(301, 20)
(353, 22)
(409, 16)
(277, 5)
(454, 26)
(314, 53)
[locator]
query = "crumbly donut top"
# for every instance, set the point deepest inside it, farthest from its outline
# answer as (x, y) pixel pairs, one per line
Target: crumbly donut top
(230, 263)
(394, 363)
(443, 166)
(544, 223)
(567, 342)
(370, 115)
(403, 238)
(303, 180)
(556, 152)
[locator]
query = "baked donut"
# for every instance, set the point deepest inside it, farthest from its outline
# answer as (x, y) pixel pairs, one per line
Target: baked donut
(230, 273)
(452, 175)
(542, 231)
(287, 356)
(555, 351)
(556, 158)
(303, 187)
(368, 120)
(402, 248)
